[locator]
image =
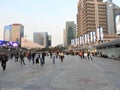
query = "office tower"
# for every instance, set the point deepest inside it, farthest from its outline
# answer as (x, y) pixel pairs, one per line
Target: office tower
(17, 32)
(91, 15)
(7, 33)
(69, 33)
(49, 40)
(41, 38)
(64, 38)
(113, 18)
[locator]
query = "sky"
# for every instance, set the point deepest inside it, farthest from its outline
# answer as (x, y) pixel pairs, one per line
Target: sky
(39, 16)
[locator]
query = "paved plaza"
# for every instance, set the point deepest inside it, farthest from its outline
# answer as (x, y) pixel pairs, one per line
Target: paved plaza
(73, 73)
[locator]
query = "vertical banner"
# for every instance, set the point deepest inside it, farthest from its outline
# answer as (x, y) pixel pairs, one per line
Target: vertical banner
(101, 33)
(117, 18)
(71, 42)
(94, 37)
(88, 39)
(80, 40)
(91, 36)
(98, 34)
(76, 42)
(85, 38)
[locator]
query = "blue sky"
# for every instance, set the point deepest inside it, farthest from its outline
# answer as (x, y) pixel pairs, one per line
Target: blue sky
(39, 16)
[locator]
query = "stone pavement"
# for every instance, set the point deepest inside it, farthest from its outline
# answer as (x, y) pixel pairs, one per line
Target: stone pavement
(73, 74)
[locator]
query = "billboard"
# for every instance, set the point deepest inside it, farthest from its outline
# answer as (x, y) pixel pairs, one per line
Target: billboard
(8, 44)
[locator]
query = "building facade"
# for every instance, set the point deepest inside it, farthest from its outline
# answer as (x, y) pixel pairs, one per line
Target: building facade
(17, 32)
(7, 33)
(69, 33)
(64, 38)
(14, 33)
(41, 38)
(113, 18)
(91, 15)
(97, 22)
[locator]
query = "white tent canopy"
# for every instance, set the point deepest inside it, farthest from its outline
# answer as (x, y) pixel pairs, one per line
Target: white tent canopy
(29, 44)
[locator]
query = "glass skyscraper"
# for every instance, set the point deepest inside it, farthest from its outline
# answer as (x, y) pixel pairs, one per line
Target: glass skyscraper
(69, 33)
(7, 33)
(41, 38)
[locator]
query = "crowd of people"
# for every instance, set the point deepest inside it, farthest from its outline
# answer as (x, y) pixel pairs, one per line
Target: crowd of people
(86, 55)
(38, 56)
(33, 56)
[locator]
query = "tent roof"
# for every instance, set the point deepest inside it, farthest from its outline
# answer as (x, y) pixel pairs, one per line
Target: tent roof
(29, 44)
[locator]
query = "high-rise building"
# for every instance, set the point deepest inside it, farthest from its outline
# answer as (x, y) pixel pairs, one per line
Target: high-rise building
(69, 33)
(91, 15)
(41, 38)
(65, 38)
(13, 33)
(113, 18)
(96, 21)
(7, 33)
(37, 38)
(17, 32)
(49, 40)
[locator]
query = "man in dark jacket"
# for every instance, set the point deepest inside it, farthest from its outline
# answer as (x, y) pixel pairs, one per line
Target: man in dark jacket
(4, 59)
(43, 57)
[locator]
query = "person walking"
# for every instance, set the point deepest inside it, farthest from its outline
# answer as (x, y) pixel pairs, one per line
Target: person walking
(40, 57)
(81, 54)
(37, 58)
(53, 56)
(4, 59)
(91, 56)
(22, 55)
(29, 56)
(50, 54)
(85, 55)
(43, 57)
(61, 56)
(16, 56)
(33, 57)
